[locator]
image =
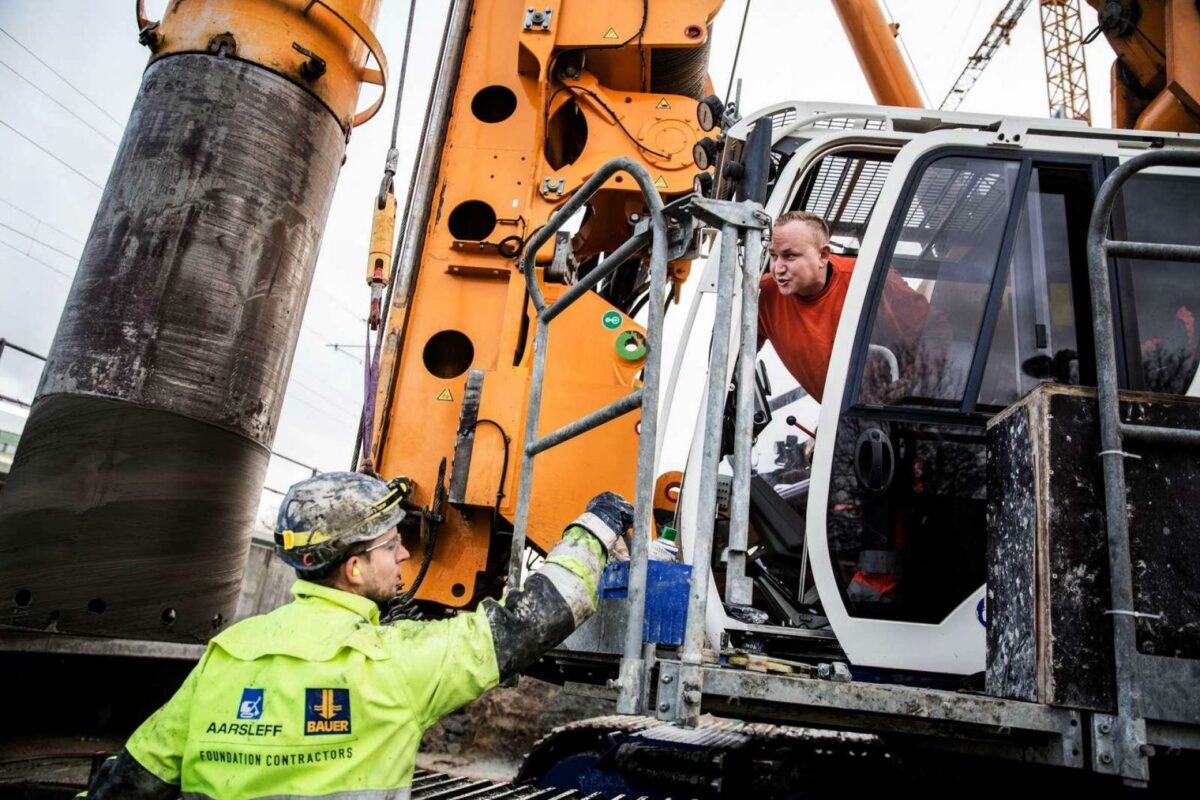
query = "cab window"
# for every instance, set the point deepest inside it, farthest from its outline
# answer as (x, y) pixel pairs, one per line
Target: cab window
(1160, 300)
(1035, 337)
(979, 296)
(933, 297)
(843, 188)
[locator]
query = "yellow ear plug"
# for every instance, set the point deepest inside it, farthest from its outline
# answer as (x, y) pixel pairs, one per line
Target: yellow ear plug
(355, 572)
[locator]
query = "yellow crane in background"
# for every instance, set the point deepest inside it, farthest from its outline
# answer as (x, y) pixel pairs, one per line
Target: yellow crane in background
(1062, 44)
(1155, 78)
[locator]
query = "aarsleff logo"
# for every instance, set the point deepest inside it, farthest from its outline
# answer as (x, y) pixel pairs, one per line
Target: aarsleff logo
(326, 711)
(251, 705)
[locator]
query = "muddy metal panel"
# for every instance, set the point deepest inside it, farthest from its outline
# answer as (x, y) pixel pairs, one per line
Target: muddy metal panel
(1050, 635)
(130, 502)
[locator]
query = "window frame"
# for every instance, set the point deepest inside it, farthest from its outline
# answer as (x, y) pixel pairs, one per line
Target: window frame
(846, 149)
(1097, 169)
(1131, 372)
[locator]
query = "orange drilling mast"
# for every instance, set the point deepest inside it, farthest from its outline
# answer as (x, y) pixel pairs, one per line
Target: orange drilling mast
(526, 124)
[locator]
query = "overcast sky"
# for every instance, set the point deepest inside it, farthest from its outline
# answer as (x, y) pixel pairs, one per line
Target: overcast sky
(58, 134)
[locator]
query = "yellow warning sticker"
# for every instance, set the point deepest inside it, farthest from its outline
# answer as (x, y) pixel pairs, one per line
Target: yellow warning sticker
(662, 103)
(445, 396)
(661, 182)
(611, 33)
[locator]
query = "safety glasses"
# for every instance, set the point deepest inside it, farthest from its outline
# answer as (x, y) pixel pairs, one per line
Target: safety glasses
(389, 544)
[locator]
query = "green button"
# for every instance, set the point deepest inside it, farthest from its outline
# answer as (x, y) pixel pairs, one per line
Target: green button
(611, 320)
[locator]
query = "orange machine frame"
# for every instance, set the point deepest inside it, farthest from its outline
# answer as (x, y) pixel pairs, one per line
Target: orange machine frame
(514, 150)
(274, 34)
(1156, 77)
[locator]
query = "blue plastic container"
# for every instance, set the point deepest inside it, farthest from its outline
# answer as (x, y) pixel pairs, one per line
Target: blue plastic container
(666, 597)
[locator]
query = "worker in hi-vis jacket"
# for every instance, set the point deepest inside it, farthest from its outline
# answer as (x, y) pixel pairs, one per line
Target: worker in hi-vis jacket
(318, 698)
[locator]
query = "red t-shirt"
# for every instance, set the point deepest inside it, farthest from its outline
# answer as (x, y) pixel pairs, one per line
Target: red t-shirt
(802, 328)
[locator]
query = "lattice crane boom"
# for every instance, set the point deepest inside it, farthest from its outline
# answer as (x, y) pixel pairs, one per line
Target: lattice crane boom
(1062, 47)
(998, 34)
(1066, 69)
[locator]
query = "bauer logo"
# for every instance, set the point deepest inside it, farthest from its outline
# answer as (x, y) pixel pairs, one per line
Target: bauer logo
(326, 711)
(251, 705)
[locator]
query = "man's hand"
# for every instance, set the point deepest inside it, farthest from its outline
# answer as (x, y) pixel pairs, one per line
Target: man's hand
(607, 516)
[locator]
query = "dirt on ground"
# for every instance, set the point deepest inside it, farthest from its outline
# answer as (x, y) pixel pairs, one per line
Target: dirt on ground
(489, 737)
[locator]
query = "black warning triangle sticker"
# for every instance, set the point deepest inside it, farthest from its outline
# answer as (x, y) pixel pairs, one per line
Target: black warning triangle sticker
(662, 103)
(611, 33)
(445, 396)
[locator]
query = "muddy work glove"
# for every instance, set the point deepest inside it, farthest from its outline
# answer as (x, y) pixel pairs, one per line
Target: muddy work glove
(607, 517)
(559, 596)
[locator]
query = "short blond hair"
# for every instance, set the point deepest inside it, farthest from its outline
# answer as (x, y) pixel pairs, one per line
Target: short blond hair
(814, 221)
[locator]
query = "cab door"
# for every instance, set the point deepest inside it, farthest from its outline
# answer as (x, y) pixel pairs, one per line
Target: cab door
(969, 291)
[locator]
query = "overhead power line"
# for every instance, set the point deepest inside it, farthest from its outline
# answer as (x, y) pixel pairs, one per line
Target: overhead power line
(33, 238)
(57, 102)
(324, 412)
(339, 406)
(63, 78)
(344, 350)
(45, 264)
(52, 155)
(41, 221)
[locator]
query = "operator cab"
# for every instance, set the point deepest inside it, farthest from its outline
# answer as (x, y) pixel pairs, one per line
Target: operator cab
(970, 290)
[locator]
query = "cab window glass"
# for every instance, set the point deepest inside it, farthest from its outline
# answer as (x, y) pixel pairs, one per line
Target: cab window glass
(1034, 339)
(1160, 300)
(930, 310)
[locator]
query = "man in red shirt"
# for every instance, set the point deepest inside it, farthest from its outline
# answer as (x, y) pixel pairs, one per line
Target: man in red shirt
(800, 300)
(800, 305)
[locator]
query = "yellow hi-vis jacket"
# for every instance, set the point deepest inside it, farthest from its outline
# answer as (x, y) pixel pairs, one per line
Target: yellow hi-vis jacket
(317, 699)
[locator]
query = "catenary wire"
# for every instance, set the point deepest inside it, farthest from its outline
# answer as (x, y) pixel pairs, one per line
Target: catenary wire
(41, 221)
(45, 264)
(59, 103)
(32, 238)
(63, 78)
(52, 155)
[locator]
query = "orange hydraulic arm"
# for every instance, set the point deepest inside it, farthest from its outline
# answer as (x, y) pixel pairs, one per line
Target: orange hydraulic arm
(874, 43)
(1156, 77)
(534, 98)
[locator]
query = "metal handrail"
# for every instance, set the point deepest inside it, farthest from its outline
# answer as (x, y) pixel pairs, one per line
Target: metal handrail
(1129, 734)
(742, 226)
(631, 682)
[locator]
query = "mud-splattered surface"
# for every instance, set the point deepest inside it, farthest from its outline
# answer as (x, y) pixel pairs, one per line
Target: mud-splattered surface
(1049, 596)
(1011, 605)
(489, 737)
(130, 502)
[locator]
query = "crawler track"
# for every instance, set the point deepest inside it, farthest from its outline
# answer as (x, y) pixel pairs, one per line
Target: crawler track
(439, 786)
